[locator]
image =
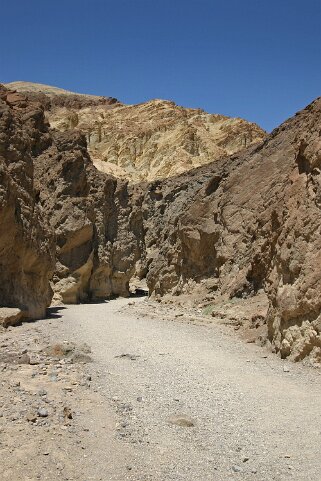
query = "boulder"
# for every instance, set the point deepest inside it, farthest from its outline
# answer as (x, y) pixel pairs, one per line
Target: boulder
(10, 316)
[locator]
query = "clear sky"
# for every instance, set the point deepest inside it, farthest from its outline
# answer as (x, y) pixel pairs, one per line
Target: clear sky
(257, 59)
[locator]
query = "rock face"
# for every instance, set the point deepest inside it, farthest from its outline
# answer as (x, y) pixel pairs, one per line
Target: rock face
(246, 223)
(56, 205)
(143, 142)
(26, 241)
(96, 244)
(229, 229)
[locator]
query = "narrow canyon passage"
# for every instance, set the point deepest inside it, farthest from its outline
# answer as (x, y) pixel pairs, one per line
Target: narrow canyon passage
(189, 402)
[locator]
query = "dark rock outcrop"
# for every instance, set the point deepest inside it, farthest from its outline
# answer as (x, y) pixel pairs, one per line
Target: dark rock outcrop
(26, 240)
(246, 223)
(56, 206)
(96, 246)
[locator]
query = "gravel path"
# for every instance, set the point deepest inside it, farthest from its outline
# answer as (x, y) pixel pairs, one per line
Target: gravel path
(254, 416)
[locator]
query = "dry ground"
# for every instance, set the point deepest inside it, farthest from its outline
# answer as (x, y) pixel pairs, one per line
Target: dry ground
(167, 397)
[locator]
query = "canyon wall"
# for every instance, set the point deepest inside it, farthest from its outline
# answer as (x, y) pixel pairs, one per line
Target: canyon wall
(26, 240)
(93, 216)
(246, 223)
(229, 229)
(66, 228)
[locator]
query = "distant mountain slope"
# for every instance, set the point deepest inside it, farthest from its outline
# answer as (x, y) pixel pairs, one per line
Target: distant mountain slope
(21, 86)
(153, 140)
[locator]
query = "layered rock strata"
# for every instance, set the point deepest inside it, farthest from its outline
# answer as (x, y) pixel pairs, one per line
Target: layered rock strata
(143, 142)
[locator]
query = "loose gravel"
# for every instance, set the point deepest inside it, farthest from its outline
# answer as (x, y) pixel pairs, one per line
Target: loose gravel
(193, 403)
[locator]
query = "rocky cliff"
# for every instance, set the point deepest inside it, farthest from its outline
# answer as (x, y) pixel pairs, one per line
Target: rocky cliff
(93, 215)
(26, 240)
(148, 141)
(62, 220)
(246, 223)
(229, 229)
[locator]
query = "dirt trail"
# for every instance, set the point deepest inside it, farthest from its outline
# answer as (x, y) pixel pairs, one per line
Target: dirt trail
(168, 397)
(254, 417)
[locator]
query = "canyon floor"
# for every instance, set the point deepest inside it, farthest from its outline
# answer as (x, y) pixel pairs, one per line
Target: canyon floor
(161, 396)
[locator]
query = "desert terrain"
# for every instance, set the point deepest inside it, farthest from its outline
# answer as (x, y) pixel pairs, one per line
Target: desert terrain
(127, 390)
(160, 307)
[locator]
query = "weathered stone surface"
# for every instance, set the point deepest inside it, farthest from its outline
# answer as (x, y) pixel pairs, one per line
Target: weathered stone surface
(239, 225)
(26, 241)
(246, 223)
(50, 174)
(92, 218)
(92, 215)
(144, 142)
(10, 316)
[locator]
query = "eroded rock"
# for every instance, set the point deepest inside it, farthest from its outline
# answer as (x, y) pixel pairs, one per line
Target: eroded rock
(26, 241)
(246, 223)
(144, 142)
(230, 229)
(97, 239)
(10, 316)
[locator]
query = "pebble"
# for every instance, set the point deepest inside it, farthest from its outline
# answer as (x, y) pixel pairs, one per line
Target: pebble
(237, 469)
(14, 383)
(33, 361)
(42, 412)
(31, 417)
(181, 420)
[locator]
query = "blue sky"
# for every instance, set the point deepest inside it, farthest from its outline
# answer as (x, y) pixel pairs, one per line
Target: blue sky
(250, 58)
